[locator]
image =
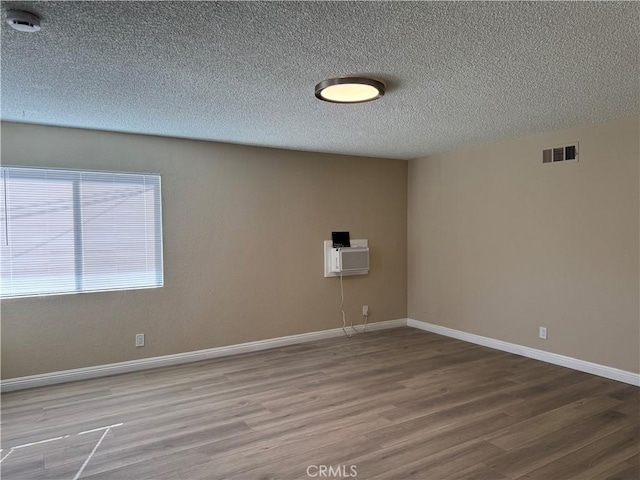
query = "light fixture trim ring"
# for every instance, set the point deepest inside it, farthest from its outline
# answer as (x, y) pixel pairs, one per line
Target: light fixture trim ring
(22, 21)
(349, 80)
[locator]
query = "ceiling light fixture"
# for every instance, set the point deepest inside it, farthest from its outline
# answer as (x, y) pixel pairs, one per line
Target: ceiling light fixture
(349, 89)
(23, 21)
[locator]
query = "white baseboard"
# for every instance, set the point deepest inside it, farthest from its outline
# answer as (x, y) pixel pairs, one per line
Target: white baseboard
(32, 381)
(64, 376)
(564, 361)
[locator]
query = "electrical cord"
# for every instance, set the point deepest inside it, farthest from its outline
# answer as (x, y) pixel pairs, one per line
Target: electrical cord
(344, 320)
(352, 327)
(364, 325)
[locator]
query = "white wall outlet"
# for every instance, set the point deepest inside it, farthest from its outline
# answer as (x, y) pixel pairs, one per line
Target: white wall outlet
(139, 339)
(365, 310)
(543, 333)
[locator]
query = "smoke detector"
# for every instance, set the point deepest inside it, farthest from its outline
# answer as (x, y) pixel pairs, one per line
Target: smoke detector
(22, 21)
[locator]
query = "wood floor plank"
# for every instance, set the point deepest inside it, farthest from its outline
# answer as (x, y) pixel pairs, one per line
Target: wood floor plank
(541, 425)
(543, 396)
(621, 471)
(543, 450)
(438, 465)
(595, 458)
(479, 471)
(394, 404)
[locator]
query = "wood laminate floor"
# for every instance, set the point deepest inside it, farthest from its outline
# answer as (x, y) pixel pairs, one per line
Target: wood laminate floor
(391, 404)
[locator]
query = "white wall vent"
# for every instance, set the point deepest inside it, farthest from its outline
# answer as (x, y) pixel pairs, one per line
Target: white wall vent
(565, 153)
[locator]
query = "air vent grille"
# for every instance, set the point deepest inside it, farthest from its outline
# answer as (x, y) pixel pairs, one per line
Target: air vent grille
(565, 153)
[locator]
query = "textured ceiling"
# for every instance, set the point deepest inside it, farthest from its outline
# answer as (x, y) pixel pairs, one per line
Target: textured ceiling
(457, 73)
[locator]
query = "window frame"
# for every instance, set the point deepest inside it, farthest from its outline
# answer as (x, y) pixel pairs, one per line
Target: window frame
(77, 225)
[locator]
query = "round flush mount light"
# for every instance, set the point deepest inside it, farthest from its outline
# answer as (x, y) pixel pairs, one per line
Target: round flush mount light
(22, 21)
(349, 89)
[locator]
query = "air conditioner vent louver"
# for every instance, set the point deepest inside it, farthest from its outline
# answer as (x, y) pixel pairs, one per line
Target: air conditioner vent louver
(558, 154)
(565, 153)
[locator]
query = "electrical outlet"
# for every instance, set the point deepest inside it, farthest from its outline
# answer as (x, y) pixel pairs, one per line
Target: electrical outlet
(543, 333)
(365, 310)
(139, 339)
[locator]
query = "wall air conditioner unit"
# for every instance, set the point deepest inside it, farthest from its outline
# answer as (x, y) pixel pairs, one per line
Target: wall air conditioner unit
(352, 260)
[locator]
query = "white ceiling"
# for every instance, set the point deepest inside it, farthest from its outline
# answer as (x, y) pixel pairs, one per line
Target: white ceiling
(458, 73)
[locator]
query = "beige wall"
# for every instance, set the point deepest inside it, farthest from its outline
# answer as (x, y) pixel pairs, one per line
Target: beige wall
(229, 276)
(500, 244)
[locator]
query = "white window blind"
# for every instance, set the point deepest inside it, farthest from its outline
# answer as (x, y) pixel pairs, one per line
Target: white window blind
(67, 231)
